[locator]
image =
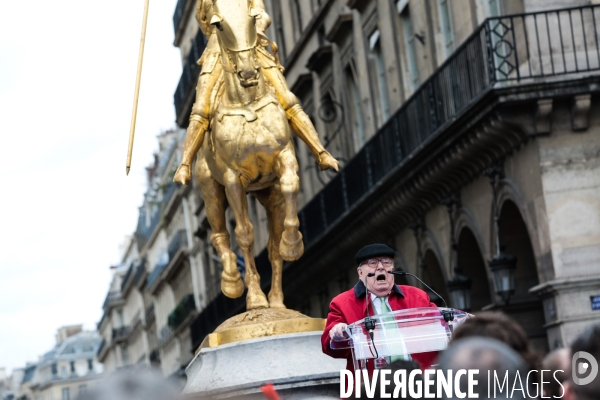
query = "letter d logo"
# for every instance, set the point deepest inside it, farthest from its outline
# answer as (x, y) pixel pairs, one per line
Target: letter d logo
(583, 367)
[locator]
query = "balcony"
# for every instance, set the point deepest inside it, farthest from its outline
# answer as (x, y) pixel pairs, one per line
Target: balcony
(139, 272)
(186, 88)
(120, 334)
(156, 272)
(181, 312)
(111, 298)
(502, 54)
(127, 276)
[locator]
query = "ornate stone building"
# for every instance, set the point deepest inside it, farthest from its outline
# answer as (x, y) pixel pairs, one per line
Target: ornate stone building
(154, 294)
(66, 371)
(469, 139)
(468, 134)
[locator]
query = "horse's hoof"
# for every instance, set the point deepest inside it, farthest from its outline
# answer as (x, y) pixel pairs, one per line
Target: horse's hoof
(232, 289)
(183, 174)
(291, 249)
(327, 161)
(256, 299)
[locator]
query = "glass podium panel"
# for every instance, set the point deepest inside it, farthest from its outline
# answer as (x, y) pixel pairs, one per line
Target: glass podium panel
(399, 334)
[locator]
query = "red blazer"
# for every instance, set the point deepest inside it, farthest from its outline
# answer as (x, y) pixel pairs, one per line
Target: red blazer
(349, 307)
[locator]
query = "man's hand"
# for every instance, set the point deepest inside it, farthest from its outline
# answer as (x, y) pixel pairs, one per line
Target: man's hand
(337, 332)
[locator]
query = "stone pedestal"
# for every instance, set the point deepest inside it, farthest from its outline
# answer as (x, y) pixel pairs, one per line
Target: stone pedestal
(293, 362)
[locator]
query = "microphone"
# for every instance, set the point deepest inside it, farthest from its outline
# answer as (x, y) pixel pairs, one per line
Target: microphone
(447, 314)
(369, 320)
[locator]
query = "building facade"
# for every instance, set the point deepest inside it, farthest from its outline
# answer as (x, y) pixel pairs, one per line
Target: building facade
(64, 372)
(469, 140)
(159, 286)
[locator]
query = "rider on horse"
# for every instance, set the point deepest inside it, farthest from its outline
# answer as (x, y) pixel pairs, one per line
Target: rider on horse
(211, 73)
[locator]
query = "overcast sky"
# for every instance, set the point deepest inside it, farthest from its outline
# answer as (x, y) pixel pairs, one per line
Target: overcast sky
(67, 76)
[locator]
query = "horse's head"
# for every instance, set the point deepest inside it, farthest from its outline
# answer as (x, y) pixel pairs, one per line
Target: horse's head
(236, 30)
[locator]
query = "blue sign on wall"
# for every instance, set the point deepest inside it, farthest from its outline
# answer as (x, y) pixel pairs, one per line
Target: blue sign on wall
(595, 302)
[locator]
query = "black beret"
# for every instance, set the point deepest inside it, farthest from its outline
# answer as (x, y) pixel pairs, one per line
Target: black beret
(373, 250)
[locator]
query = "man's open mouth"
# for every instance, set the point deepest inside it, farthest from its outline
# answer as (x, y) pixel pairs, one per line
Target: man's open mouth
(380, 277)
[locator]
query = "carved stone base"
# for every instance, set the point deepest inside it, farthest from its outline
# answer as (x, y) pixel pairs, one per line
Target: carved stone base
(294, 363)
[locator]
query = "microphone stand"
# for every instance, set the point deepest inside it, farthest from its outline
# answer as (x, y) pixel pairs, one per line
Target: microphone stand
(448, 314)
(369, 321)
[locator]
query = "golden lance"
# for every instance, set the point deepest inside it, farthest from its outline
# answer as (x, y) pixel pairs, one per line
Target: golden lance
(137, 89)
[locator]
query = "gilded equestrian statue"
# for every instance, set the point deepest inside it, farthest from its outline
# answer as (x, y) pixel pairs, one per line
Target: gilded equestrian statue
(248, 146)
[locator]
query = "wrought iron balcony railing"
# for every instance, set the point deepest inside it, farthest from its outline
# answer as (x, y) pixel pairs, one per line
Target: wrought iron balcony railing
(139, 272)
(127, 275)
(158, 269)
(120, 333)
(189, 77)
(506, 50)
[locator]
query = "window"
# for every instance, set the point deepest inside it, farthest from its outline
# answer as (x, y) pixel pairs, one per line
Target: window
(66, 394)
(82, 389)
(90, 364)
(72, 367)
(409, 45)
(125, 355)
(54, 369)
(446, 26)
(63, 371)
(493, 8)
(297, 17)
(353, 95)
(377, 76)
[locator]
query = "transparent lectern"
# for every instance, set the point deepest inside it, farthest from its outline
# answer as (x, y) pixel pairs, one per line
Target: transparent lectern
(388, 337)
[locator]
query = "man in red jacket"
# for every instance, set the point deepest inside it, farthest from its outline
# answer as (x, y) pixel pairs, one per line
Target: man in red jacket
(350, 306)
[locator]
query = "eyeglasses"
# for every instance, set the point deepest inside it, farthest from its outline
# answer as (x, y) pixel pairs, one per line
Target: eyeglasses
(374, 262)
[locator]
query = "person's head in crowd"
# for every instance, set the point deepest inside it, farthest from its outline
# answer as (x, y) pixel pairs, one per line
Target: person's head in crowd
(484, 354)
(407, 365)
(499, 326)
(377, 259)
(133, 384)
(559, 362)
(588, 341)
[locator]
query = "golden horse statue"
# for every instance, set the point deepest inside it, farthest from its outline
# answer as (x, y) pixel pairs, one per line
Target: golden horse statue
(249, 149)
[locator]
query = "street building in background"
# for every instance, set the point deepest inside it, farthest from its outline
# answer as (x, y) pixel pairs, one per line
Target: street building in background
(468, 137)
(63, 373)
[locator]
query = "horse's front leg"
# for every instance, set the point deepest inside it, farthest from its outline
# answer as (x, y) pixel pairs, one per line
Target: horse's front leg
(244, 232)
(291, 247)
(213, 194)
(274, 204)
